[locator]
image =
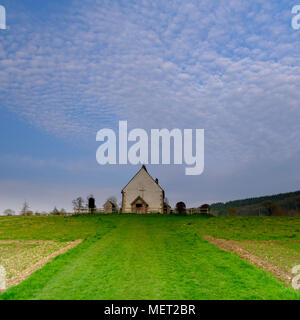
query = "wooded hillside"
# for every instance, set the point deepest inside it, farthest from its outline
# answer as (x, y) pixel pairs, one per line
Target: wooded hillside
(283, 204)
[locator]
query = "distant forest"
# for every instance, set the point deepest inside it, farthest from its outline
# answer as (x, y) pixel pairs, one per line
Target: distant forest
(283, 204)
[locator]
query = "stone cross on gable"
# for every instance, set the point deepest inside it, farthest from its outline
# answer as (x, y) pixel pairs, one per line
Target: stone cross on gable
(141, 189)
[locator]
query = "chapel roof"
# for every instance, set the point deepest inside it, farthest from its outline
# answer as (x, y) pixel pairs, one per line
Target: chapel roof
(142, 168)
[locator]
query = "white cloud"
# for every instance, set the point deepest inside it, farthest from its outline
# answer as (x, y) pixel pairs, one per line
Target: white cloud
(230, 67)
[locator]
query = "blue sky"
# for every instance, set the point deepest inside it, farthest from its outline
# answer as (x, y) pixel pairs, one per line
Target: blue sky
(70, 68)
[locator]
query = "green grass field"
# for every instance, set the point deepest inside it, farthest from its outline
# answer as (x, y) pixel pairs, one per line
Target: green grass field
(149, 257)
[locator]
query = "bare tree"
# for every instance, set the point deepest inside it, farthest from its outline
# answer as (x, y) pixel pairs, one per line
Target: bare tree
(25, 209)
(9, 212)
(78, 204)
(55, 212)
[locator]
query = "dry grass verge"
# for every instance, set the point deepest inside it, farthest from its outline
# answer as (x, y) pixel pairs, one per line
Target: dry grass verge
(22, 258)
(231, 246)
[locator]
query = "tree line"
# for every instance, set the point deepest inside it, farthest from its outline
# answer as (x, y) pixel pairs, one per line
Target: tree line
(283, 204)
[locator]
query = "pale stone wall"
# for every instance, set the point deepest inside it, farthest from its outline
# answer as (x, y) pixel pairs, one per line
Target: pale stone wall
(144, 186)
(108, 207)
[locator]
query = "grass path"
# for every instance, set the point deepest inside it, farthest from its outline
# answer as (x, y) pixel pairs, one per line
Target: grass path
(149, 258)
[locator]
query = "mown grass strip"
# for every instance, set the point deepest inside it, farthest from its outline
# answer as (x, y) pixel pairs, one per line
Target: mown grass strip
(149, 258)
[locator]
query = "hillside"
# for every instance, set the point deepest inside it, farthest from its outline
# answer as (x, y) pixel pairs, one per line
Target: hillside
(154, 257)
(283, 204)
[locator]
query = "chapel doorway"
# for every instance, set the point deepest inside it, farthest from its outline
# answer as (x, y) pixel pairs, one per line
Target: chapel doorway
(139, 206)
